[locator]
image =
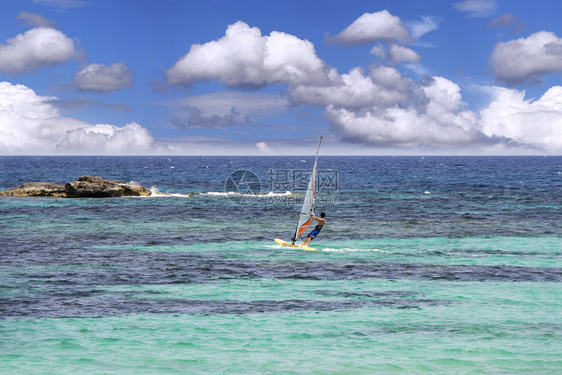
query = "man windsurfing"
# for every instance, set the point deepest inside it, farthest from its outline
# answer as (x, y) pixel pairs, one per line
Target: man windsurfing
(321, 221)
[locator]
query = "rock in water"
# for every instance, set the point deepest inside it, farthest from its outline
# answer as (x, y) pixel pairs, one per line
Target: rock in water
(97, 187)
(83, 187)
(36, 189)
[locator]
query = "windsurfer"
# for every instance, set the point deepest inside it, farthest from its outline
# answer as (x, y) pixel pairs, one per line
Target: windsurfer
(321, 221)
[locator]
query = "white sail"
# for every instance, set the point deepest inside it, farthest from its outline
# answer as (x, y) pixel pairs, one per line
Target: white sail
(307, 210)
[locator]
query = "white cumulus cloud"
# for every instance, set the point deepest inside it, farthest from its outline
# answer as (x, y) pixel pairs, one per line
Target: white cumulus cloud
(101, 78)
(395, 53)
(399, 54)
(379, 106)
(527, 59)
(371, 27)
(378, 50)
(244, 58)
(441, 122)
(537, 124)
(107, 139)
(384, 86)
(36, 47)
(439, 119)
(264, 148)
(30, 124)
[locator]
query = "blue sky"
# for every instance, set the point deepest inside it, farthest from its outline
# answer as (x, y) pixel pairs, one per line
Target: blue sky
(270, 77)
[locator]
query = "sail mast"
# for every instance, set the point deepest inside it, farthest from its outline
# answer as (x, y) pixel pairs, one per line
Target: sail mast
(307, 210)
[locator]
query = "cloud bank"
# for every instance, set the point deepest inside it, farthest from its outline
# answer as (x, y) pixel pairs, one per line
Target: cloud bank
(107, 139)
(536, 123)
(30, 124)
(381, 106)
(439, 119)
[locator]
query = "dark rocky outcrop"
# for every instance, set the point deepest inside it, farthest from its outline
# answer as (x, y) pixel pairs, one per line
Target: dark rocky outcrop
(36, 189)
(83, 187)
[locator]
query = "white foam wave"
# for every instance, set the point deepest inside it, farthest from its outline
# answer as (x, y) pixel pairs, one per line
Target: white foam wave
(222, 193)
(157, 193)
(276, 246)
(164, 195)
(178, 195)
(334, 250)
(272, 194)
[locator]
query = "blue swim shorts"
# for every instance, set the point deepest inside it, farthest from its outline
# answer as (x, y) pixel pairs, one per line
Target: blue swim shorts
(314, 233)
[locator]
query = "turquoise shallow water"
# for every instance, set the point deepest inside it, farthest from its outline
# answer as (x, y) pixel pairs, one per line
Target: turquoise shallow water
(436, 265)
(394, 327)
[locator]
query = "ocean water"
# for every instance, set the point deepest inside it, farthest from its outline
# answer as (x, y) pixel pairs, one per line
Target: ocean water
(425, 265)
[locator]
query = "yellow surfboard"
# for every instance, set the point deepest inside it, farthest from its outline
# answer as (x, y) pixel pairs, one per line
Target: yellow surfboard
(281, 242)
